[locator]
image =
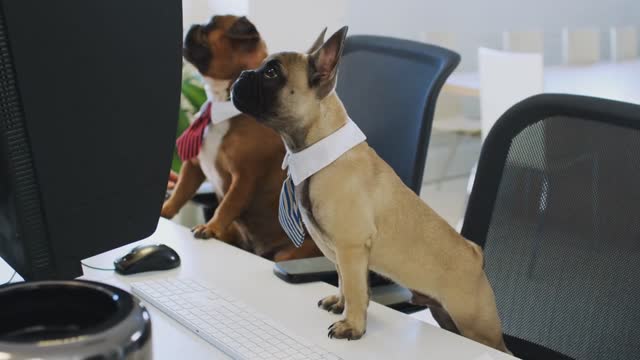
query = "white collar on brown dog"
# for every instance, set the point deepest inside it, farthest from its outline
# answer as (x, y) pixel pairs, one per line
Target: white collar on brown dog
(222, 107)
(309, 161)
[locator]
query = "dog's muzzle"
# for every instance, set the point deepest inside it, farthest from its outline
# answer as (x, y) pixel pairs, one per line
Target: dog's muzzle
(246, 93)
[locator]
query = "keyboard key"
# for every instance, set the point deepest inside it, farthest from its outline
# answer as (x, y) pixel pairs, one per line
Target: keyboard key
(330, 357)
(305, 351)
(183, 312)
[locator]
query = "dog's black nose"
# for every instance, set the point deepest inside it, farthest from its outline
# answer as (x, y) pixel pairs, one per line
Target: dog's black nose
(245, 93)
(246, 74)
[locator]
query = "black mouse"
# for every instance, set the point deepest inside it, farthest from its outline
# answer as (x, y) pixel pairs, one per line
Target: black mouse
(147, 258)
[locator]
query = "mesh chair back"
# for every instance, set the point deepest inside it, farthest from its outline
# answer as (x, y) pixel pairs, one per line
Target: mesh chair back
(556, 206)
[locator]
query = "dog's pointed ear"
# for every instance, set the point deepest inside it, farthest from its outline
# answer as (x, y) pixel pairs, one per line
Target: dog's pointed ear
(243, 29)
(323, 63)
(319, 41)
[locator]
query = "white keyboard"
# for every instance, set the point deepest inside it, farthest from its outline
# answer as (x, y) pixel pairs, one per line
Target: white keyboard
(225, 322)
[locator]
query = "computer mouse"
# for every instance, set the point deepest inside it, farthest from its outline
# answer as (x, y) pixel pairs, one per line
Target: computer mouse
(145, 258)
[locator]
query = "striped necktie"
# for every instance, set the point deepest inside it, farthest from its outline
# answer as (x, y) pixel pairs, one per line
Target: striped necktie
(189, 143)
(289, 213)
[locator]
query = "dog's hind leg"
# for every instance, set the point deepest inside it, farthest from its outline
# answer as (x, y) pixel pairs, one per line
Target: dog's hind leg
(438, 312)
(476, 315)
(353, 261)
(291, 252)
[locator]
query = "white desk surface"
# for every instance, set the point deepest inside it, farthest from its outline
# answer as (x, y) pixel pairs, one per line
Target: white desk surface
(390, 334)
(616, 81)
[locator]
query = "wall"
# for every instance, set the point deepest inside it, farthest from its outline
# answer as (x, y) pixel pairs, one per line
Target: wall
(284, 24)
(481, 22)
(200, 11)
(294, 24)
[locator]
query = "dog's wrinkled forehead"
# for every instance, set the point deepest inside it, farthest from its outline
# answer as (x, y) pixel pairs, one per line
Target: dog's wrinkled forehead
(295, 68)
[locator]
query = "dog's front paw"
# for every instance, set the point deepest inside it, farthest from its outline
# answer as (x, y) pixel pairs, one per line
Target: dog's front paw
(343, 329)
(203, 232)
(333, 303)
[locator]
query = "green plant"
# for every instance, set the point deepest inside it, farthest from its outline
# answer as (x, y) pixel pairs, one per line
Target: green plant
(192, 98)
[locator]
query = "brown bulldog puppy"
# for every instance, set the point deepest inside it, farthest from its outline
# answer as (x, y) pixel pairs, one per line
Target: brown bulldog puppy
(241, 157)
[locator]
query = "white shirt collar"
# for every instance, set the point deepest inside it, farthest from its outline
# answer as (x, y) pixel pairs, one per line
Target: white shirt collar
(309, 161)
(222, 107)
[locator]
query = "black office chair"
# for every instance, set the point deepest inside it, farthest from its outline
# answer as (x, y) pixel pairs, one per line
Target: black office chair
(389, 88)
(556, 206)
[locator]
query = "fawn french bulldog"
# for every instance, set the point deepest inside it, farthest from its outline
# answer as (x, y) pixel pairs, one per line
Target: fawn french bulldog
(354, 206)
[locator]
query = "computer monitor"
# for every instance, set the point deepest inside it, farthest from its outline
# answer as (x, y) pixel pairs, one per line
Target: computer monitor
(89, 102)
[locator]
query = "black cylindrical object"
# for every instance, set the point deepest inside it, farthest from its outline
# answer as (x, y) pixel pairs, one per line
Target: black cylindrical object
(72, 320)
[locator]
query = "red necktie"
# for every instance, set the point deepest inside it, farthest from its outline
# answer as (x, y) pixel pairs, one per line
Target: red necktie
(190, 142)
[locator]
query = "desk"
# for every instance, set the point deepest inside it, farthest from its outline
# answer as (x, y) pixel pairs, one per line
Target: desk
(615, 81)
(390, 334)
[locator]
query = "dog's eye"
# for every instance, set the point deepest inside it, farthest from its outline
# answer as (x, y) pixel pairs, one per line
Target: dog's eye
(270, 73)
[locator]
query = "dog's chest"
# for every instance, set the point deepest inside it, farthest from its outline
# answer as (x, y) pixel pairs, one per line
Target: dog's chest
(213, 137)
(310, 222)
